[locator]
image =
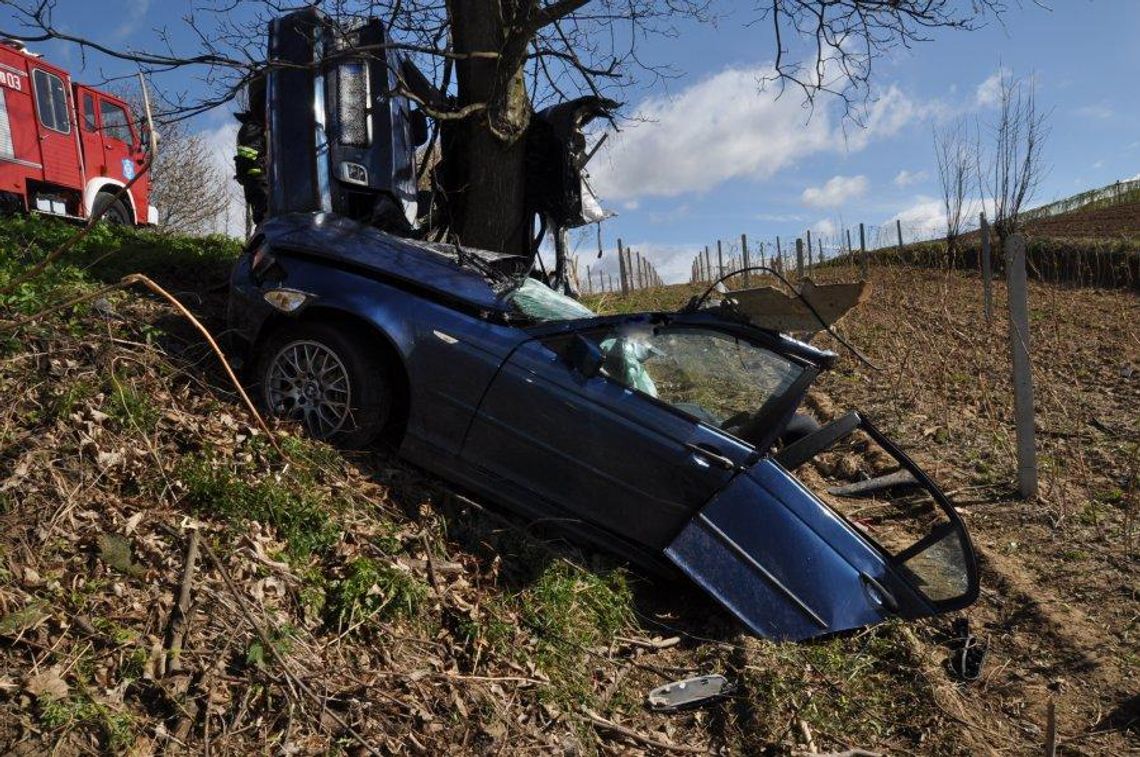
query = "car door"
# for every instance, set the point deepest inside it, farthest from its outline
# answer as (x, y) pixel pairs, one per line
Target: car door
(792, 566)
(637, 449)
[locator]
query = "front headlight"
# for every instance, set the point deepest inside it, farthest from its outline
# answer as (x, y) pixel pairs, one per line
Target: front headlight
(287, 300)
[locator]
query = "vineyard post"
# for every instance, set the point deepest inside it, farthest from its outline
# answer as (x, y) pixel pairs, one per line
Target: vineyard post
(987, 269)
(621, 269)
(763, 262)
(708, 264)
(719, 260)
(850, 250)
(809, 263)
(1022, 369)
(898, 228)
(800, 258)
(744, 252)
(862, 252)
(589, 281)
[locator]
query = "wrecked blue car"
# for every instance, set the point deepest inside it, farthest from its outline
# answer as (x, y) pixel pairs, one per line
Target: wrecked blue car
(670, 439)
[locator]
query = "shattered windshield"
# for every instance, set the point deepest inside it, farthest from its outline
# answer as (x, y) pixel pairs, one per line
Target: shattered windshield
(536, 300)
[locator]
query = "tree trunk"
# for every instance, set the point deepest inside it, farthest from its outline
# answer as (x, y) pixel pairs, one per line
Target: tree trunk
(484, 155)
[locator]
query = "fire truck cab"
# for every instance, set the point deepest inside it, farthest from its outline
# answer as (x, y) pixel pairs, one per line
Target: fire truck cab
(66, 148)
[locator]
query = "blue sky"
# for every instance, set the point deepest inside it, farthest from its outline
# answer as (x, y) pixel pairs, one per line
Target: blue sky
(717, 157)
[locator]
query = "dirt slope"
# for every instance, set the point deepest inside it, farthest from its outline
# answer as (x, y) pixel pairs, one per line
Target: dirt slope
(350, 603)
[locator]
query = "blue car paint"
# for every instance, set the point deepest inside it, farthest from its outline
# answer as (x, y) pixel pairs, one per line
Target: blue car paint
(816, 587)
(493, 409)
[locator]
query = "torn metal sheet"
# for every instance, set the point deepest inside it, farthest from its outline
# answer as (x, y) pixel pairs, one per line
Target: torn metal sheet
(772, 308)
(689, 692)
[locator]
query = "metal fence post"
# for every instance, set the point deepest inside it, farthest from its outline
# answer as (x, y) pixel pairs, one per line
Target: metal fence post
(987, 269)
(1022, 368)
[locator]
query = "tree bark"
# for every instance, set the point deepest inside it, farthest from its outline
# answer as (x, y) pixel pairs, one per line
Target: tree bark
(484, 155)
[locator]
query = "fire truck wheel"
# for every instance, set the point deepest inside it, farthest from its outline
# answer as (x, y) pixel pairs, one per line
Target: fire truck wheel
(117, 212)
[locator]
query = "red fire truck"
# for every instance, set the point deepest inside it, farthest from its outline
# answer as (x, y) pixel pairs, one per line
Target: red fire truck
(66, 148)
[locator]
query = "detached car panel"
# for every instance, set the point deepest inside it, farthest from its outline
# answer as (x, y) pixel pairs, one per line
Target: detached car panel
(663, 437)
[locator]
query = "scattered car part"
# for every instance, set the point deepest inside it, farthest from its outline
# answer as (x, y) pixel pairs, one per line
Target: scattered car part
(337, 140)
(967, 651)
(872, 485)
(770, 308)
(689, 693)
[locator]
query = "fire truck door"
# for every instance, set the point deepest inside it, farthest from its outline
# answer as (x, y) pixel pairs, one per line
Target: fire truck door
(57, 140)
(89, 134)
(118, 141)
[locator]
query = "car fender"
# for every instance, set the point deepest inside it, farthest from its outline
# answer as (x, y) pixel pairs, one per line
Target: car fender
(95, 186)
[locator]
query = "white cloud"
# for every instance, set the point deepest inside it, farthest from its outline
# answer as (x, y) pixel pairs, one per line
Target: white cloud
(905, 178)
(837, 191)
(1099, 111)
(989, 91)
(723, 128)
(825, 227)
(925, 216)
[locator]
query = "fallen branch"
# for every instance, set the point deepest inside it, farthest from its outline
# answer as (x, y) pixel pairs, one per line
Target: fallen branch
(176, 631)
(138, 278)
(608, 725)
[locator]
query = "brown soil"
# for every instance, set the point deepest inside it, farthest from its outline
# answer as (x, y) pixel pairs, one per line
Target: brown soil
(1060, 597)
(502, 640)
(1113, 222)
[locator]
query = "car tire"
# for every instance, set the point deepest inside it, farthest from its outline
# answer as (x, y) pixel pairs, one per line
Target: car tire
(330, 380)
(116, 214)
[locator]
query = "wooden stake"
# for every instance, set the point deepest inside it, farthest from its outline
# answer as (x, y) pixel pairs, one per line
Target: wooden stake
(799, 258)
(862, 252)
(987, 270)
(744, 252)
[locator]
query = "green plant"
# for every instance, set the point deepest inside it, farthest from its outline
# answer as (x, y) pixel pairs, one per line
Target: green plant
(296, 511)
(373, 588)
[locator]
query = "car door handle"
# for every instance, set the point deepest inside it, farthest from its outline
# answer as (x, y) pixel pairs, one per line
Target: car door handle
(879, 593)
(710, 455)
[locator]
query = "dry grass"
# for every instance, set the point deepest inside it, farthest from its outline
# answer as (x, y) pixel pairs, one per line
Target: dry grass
(343, 601)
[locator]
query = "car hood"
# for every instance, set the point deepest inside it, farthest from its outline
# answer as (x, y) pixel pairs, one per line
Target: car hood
(479, 278)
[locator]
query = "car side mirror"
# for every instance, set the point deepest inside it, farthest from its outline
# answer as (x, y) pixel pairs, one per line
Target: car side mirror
(419, 127)
(584, 356)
